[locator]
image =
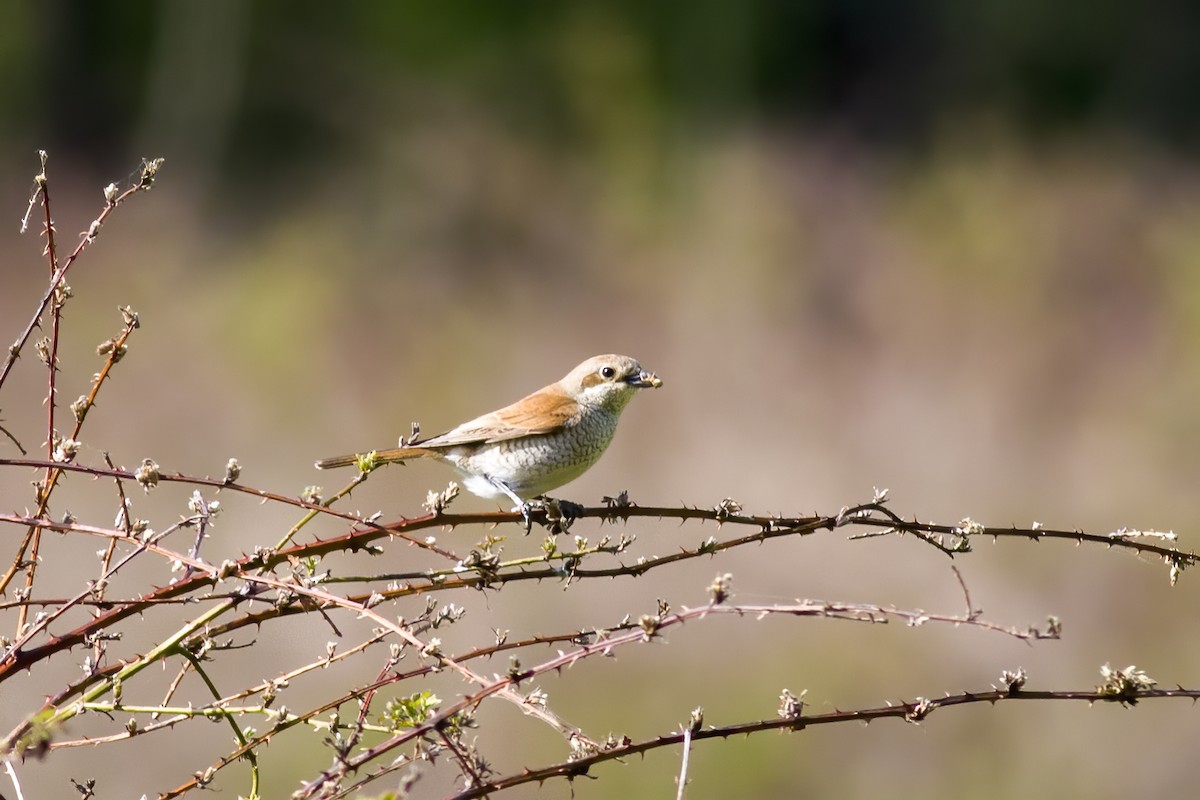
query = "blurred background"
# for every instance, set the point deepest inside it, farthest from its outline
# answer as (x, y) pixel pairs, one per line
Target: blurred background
(951, 249)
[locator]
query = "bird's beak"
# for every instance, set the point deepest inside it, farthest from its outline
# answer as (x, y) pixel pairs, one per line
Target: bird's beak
(644, 380)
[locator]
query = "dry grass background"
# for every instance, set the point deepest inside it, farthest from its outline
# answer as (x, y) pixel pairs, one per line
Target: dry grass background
(989, 328)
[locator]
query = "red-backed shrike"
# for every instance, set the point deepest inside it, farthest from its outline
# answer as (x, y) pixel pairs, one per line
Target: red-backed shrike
(536, 444)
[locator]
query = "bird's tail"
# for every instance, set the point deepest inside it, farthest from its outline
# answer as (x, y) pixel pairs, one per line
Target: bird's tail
(375, 457)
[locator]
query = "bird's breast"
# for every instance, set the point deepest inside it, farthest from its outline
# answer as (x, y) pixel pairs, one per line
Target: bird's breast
(536, 464)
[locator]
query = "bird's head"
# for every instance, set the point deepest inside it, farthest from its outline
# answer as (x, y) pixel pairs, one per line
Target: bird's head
(608, 382)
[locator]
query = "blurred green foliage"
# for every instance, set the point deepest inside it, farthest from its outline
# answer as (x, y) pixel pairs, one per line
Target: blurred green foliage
(891, 73)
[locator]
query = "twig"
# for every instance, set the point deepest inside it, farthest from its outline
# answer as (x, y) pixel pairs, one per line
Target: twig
(55, 470)
(146, 180)
(12, 775)
(683, 762)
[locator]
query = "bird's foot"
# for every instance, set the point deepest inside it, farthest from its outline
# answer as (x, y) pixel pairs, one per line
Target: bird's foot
(560, 514)
(556, 515)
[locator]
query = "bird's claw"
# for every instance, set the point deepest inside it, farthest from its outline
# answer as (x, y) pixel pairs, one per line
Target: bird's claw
(528, 508)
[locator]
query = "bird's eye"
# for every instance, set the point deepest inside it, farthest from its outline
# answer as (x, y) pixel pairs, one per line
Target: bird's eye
(608, 372)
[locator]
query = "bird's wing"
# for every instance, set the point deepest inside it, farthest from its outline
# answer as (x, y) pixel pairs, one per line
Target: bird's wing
(540, 413)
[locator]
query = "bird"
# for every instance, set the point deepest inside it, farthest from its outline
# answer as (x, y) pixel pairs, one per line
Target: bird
(537, 444)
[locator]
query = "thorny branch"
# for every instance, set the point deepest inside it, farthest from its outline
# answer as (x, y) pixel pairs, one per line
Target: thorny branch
(913, 711)
(306, 599)
(289, 579)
